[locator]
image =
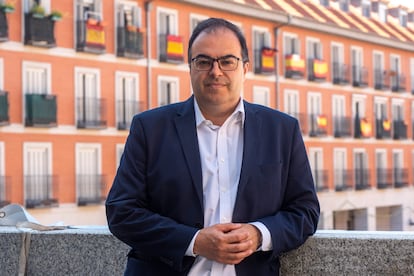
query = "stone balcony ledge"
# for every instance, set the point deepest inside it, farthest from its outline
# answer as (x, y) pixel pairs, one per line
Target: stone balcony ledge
(90, 250)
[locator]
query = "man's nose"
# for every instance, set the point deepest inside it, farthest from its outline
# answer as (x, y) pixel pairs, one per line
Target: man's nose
(215, 68)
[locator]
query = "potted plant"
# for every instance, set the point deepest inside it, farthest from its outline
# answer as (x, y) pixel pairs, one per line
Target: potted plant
(7, 7)
(37, 11)
(55, 15)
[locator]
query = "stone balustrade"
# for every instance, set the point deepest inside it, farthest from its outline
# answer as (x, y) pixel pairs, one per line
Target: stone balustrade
(94, 251)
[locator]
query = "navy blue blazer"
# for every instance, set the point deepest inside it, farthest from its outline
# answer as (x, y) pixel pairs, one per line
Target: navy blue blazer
(155, 204)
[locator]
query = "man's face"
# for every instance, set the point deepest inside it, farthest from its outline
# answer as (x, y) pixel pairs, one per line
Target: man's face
(217, 87)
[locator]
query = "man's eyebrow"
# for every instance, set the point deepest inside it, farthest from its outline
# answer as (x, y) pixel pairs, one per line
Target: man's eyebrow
(206, 56)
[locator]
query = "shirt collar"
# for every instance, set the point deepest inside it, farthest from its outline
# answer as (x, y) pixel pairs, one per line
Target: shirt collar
(238, 111)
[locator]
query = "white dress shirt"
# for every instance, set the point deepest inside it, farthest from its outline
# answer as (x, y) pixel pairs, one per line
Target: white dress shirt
(221, 154)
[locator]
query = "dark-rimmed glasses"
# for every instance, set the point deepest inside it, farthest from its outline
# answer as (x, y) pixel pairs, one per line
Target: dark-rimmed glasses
(205, 63)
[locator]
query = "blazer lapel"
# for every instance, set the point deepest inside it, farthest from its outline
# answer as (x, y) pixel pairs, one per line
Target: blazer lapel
(187, 133)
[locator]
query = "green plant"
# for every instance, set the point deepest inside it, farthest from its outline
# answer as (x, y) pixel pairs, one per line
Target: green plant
(7, 7)
(37, 10)
(55, 15)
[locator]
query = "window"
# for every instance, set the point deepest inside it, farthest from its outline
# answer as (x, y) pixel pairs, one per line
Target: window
(126, 95)
(292, 102)
(261, 39)
(168, 90)
(412, 75)
(3, 188)
(403, 18)
(340, 169)
(314, 49)
(344, 5)
(358, 71)
(382, 12)
(89, 180)
(90, 33)
(290, 44)
(38, 182)
(194, 20)
(366, 8)
(36, 78)
(361, 172)
(90, 108)
(261, 95)
(339, 68)
(399, 173)
(379, 75)
(316, 163)
(119, 151)
(340, 123)
(167, 22)
(324, 3)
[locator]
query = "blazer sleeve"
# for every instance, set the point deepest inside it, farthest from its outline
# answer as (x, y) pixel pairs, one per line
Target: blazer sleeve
(131, 215)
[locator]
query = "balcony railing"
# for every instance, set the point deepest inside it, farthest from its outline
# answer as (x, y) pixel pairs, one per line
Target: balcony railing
(398, 82)
(341, 73)
(343, 180)
(320, 177)
(4, 108)
(359, 76)
(130, 43)
(384, 178)
(171, 48)
(317, 70)
(361, 179)
(91, 113)
(342, 126)
(41, 110)
(5, 190)
(90, 36)
(40, 191)
(381, 80)
(39, 31)
(400, 177)
(264, 61)
(294, 66)
(399, 129)
(90, 189)
(318, 125)
(125, 112)
(382, 128)
(4, 27)
(362, 128)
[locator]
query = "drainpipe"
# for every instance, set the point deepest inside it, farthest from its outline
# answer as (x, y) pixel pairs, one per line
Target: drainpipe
(276, 34)
(148, 7)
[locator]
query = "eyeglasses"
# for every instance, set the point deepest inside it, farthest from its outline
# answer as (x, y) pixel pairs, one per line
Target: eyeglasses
(205, 63)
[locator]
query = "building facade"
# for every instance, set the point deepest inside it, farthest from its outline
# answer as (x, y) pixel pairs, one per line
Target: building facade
(73, 73)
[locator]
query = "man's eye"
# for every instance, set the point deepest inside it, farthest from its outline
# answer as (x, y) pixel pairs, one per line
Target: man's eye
(203, 62)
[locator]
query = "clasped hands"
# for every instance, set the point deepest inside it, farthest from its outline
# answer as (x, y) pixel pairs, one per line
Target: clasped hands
(227, 243)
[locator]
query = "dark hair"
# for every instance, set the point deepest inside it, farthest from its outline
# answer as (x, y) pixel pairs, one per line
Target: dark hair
(217, 23)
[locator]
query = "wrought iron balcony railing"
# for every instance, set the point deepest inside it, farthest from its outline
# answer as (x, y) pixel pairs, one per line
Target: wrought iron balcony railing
(398, 82)
(91, 113)
(399, 130)
(4, 27)
(361, 179)
(171, 48)
(400, 176)
(41, 110)
(318, 125)
(381, 80)
(382, 128)
(126, 111)
(320, 177)
(294, 66)
(384, 178)
(39, 31)
(342, 126)
(40, 190)
(359, 76)
(340, 73)
(90, 189)
(4, 108)
(130, 43)
(343, 180)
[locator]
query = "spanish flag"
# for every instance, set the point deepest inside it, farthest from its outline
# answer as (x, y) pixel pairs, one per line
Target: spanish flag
(175, 49)
(320, 69)
(366, 128)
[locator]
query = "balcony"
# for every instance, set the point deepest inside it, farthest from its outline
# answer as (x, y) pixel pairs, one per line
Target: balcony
(171, 48)
(317, 70)
(40, 191)
(4, 27)
(294, 66)
(90, 189)
(318, 125)
(384, 178)
(4, 108)
(381, 80)
(264, 61)
(342, 126)
(359, 76)
(130, 42)
(361, 179)
(39, 31)
(362, 128)
(341, 73)
(400, 177)
(399, 130)
(91, 113)
(5, 190)
(125, 112)
(343, 180)
(90, 36)
(320, 177)
(398, 82)
(382, 128)
(40, 110)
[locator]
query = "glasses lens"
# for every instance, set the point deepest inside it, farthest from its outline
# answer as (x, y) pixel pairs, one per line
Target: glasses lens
(228, 63)
(203, 64)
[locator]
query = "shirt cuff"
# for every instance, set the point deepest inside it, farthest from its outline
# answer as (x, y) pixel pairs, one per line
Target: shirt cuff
(266, 237)
(190, 248)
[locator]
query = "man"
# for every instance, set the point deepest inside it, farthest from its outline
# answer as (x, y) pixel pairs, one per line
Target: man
(213, 185)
